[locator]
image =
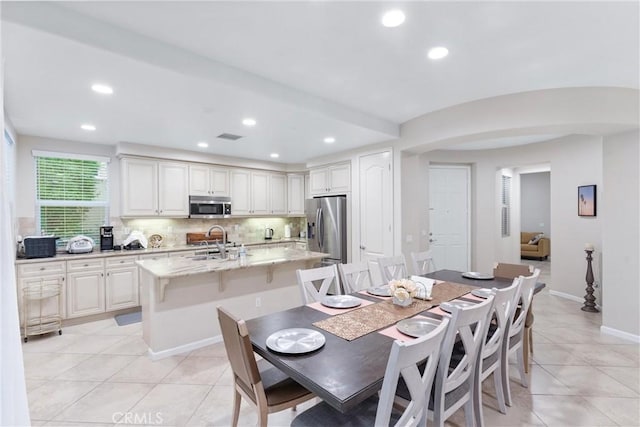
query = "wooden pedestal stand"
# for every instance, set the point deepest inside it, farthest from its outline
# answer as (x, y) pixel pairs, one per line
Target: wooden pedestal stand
(589, 299)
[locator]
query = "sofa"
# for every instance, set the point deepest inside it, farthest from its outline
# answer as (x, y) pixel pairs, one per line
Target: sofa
(539, 249)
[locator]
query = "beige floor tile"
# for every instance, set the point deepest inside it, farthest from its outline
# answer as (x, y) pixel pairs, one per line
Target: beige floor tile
(131, 329)
(172, 404)
(216, 410)
(627, 376)
(132, 345)
(49, 343)
(624, 411)
(106, 403)
(564, 411)
(629, 351)
(96, 368)
(34, 384)
(226, 379)
(76, 424)
(557, 354)
(145, 370)
(213, 350)
(197, 370)
(89, 328)
(601, 355)
(49, 365)
(589, 381)
(35, 423)
(92, 344)
(47, 401)
(540, 382)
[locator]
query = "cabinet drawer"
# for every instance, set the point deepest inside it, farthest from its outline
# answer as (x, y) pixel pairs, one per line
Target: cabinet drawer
(121, 261)
(85, 264)
(42, 269)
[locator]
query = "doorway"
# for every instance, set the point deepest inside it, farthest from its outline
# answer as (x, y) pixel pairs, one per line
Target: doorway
(449, 216)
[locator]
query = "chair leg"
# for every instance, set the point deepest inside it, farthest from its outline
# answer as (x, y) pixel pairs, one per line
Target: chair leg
(237, 399)
(506, 387)
(522, 356)
(477, 404)
(530, 340)
(525, 351)
(468, 413)
(263, 416)
(497, 382)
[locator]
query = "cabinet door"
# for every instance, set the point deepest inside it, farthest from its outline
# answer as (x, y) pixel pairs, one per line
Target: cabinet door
(85, 293)
(260, 193)
(295, 193)
(173, 186)
(318, 181)
(139, 187)
(199, 180)
(278, 193)
(121, 288)
(340, 178)
(240, 192)
(219, 181)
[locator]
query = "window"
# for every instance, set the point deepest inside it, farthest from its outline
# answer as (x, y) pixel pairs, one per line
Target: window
(72, 194)
(506, 206)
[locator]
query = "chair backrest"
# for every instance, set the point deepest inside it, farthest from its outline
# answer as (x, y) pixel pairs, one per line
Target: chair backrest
(503, 310)
(355, 276)
(325, 276)
(523, 298)
(469, 324)
(422, 262)
(511, 271)
(404, 360)
(392, 268)
(239, 350)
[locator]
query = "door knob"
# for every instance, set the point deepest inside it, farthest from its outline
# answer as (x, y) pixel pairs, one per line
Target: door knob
(432, 240)
(362, 247)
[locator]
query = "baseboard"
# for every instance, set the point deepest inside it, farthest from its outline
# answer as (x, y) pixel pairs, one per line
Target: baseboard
(620, 334)
(157, 355)
(570, 297)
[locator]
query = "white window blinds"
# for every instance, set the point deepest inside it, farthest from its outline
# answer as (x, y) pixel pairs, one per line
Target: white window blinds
(72, 195)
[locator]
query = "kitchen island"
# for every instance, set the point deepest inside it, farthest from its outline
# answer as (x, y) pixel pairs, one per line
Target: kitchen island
(179, 296)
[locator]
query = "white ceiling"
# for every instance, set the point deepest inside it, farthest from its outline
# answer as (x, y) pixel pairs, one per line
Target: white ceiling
(187, 71)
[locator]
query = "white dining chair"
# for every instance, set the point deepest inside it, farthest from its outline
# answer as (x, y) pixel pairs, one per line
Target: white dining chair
(490, 360)
(392, 268)
(325, 277)
(355, 277)
(405, 361)
(422, 262)
(515, 341)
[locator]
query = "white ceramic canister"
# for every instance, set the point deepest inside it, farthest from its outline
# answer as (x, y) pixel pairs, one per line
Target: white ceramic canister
(287, 231)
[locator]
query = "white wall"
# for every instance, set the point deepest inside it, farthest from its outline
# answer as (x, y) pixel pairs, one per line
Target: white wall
(535, 202)
(620, 209)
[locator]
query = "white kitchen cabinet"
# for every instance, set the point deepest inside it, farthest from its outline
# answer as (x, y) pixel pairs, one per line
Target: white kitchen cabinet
(240, 192)
(277, 194)
(257, 193)
(121, 287)
(85, 287)
(154, 188)
(208, 181)
(295, 194)
(330, 180)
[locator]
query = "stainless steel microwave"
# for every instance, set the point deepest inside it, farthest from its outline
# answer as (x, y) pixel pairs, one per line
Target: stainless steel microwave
(209, 207)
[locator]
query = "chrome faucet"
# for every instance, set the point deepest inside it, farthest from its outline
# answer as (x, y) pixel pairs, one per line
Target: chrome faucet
(222, 248)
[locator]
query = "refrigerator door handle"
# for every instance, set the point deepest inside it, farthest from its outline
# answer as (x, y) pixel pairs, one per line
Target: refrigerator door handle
(317, 228)
(320, 224)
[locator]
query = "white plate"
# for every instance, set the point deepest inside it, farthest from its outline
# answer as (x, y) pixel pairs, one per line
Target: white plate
(476, 275)
(482, 292)
(341, 301)
(382, 291)
(295, 341)
(447, 306)
(416, 327)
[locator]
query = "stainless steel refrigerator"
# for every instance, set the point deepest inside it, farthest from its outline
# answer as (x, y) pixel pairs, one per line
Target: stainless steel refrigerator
(327, 227)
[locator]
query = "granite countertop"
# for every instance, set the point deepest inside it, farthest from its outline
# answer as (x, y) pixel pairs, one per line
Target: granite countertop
(179, 267)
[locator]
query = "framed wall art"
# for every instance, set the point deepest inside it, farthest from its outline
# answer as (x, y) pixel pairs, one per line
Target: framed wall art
(587, 200)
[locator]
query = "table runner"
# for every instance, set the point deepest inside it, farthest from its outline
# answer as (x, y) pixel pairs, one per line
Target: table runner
(360, 322)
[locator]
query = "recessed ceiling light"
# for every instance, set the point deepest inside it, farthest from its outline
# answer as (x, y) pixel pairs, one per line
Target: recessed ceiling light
(88, 127)
(101, 88)
(274, 155)
(329, 140)
(202, 144)
(438, 52)
(393, 18)
(249, 122)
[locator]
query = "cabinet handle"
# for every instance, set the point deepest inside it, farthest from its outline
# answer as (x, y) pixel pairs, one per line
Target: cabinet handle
(86, 265)
(121, 261)
(42, 268)
(101, 274)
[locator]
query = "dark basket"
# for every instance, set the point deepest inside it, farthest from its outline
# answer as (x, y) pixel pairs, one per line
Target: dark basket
(40, 247)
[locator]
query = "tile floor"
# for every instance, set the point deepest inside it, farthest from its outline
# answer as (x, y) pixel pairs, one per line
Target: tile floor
(97, 374)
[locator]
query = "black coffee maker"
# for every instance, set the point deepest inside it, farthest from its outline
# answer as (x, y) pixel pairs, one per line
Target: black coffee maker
(106, 238)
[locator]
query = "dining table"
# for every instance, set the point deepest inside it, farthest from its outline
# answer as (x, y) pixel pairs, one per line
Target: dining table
(342, 372)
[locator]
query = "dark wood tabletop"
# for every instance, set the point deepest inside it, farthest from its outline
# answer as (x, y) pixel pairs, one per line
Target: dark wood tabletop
(343, 373)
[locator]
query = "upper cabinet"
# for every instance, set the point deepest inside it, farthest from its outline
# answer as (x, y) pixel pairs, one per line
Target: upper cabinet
(330, 180)
(258, 193)
(295, 194)
(208, 181)
(154, 188)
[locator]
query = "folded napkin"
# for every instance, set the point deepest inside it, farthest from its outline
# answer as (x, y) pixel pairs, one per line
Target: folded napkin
(424, 287)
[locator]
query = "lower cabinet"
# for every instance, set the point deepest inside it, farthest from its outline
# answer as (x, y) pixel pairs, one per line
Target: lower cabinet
(85, 287)
(121, 287)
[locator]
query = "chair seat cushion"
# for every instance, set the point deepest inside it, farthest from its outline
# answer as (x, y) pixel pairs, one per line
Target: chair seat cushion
(278, 387)
(323, 414)
(529, 248)
(450, 398)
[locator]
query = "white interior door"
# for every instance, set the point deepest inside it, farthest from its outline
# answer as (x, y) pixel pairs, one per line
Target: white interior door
(376, 206)
(449, 216)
